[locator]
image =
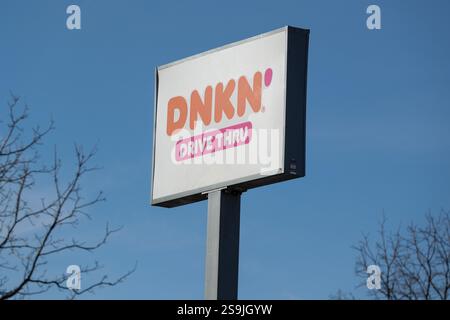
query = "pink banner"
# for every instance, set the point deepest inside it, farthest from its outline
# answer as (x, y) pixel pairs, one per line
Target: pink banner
(213, 141)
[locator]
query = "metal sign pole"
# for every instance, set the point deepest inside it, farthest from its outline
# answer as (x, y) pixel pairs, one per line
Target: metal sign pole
(222, 245)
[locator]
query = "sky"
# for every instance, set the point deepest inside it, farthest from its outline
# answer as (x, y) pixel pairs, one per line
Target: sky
(378, 133)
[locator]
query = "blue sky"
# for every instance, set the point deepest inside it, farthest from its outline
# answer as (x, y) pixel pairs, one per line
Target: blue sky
(377, 133)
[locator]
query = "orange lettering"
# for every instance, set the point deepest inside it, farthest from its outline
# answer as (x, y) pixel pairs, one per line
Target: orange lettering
(245, 93)
(222, 101)
(201, 108)
(180, 104)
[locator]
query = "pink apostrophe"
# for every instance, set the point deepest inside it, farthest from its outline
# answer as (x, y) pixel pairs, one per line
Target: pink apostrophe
(268, 77)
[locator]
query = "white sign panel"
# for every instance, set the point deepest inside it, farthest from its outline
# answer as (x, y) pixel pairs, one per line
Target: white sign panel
(221, 118)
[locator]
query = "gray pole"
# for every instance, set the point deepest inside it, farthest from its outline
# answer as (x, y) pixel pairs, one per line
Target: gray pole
(222, 245)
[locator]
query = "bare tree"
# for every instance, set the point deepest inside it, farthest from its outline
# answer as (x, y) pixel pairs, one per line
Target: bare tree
(33, 232)
(415, 265)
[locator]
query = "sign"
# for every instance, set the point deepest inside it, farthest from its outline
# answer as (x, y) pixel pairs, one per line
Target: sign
(232, 117)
